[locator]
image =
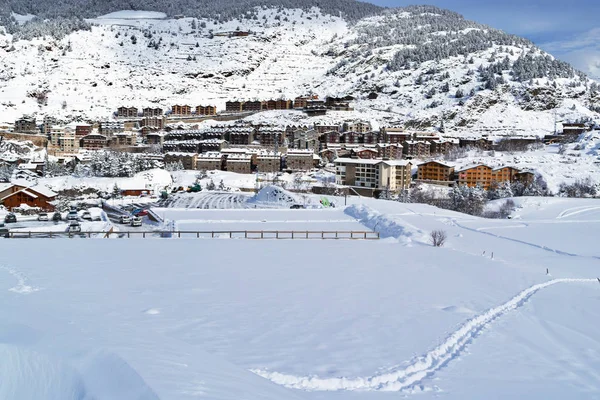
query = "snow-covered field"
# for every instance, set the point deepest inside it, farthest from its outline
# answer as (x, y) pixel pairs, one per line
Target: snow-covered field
(477, 318)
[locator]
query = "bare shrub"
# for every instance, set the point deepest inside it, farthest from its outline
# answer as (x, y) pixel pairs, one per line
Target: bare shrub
(438, 238)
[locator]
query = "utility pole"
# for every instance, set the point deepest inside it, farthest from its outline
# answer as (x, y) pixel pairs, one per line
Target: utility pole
(555, 123)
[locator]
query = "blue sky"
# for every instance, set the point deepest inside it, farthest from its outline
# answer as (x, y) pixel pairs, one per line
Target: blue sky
(568, 29)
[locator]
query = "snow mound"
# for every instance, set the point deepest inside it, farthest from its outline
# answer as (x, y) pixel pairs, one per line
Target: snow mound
(275, 196)
(108, 376)
(386, 226)
(29, 375)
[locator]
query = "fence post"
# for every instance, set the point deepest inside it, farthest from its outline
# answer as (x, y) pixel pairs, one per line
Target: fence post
(197, 235)
(128, 235)
(230, 234)
(276, 234)
(322, 234)
(365, 234)
(30, 234)
(307, 234)
(89, 235)
(143, 235)
(262, 234)
(336, 234)
(50, 234)
(212, 234)
(178, 234)
(292, 234)
(245, 234)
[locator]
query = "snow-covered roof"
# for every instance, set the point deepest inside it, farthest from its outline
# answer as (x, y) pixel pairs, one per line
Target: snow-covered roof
(367, 161)
(44, 191)
(445, 164)
(397, 163)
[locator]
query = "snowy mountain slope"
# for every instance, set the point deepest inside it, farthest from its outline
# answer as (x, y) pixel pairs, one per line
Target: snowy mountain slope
(415, 59)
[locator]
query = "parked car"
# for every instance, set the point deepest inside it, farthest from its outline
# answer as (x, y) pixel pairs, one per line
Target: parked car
(43, 216)
(125, 219)
(86, 215)
(10, 218)
(3, 230)
(56, 217)
(72, 216)
(96, 218)
(140, 212)
(136, 221)
(74, 226)
(297, 206)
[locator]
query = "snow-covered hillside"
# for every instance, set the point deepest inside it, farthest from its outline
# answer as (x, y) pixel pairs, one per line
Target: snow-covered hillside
(142, 59)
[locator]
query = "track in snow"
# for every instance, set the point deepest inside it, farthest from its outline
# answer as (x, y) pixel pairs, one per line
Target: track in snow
(22, 286)
(405, 378)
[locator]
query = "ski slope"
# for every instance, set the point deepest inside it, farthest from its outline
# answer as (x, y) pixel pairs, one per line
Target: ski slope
(235, 319)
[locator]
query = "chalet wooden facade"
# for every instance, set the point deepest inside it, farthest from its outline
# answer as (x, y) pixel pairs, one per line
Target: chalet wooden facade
(206, 110)
(152, 112)
(127, 112)
(36, 196)
(183, 110)
(435, 171)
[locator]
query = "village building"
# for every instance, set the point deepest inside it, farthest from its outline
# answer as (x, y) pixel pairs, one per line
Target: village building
(127, 112)
(300, 102)
(48, 123)
(282, 104)
(93, 142)
(476, 143)
(82, 130)
(478, 175)
(332, 137)
(504, 174)
(155, 138)
(123, 139)
(239, 163)
(14, 196)
(268, 161)
(253, 106)
(374, 174)
(267, 136)
(359, 126)
(109, 128)
(26, 125)
(299, 160)
(390, 151)
(395, 135)
(414, 149)
(327, 128)
(440, 147)
(152, 112)
(233, 106)
(188, 160)
(156, 122)
(436, 172)
(210, 161)
(206, 110)
(181, 110)
(365, 153)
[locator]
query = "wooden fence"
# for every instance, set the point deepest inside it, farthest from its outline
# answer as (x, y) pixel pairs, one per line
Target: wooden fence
(320, 235)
